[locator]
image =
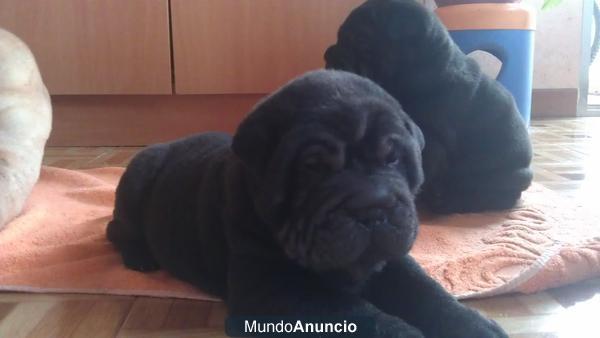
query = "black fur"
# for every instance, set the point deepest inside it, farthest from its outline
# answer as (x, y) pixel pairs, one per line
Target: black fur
(477, 152)
(309, 210)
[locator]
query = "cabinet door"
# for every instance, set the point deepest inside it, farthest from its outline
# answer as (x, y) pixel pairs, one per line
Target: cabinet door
(250, 46)
(95, 46)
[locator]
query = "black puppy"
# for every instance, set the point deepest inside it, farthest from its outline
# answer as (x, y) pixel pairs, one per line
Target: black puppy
(309, 210)
(477, 152)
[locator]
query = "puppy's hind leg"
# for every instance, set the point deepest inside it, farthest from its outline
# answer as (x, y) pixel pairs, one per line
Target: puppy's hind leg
(126, 230)
(485, 192)
(136, 255)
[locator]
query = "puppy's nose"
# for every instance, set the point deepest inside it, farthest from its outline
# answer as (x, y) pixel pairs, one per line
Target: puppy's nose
(386, 236)
(370, 217)
(378, 198)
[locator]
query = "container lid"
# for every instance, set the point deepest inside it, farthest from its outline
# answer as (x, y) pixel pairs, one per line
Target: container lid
(489, 16)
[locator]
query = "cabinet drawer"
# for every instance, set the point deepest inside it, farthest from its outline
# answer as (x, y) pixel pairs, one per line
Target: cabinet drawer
(250, 46)
(96, 46)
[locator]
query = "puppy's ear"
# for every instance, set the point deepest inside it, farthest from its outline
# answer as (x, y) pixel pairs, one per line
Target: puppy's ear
(418, 134)
(415, 170)
(414, 130)
(257, 143)
(253, 143)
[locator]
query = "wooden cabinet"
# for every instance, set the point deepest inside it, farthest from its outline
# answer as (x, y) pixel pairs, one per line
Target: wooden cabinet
(108, 62)
(250, 46)
(96, 46)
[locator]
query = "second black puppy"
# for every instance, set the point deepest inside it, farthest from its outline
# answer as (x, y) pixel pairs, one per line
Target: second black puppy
(308, 211)
(477, 152)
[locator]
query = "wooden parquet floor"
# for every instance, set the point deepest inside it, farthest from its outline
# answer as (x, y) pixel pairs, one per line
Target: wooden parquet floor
(567, 160)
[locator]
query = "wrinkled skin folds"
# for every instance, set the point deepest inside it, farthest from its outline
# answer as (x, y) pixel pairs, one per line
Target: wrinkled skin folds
(307, 211)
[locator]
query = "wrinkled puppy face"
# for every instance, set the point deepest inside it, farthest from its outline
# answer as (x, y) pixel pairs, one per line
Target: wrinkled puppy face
(389, 40)
(336, 165)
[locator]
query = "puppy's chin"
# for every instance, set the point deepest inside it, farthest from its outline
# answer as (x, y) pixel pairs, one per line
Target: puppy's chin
(354, 275)
(351, 277)
(372, 260)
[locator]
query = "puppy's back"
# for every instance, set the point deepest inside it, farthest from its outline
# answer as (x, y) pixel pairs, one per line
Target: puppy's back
(166, 210)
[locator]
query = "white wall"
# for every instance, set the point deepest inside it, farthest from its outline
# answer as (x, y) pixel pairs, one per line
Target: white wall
(558, 45)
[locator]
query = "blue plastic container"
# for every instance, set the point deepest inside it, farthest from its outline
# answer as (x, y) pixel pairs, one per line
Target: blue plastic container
(503, 30)
(515, 49)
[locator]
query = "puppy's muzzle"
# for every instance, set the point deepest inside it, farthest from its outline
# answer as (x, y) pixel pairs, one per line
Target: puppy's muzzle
(361, 216)
(389, 220)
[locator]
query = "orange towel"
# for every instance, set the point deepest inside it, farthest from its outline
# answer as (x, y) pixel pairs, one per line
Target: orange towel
(58, 244)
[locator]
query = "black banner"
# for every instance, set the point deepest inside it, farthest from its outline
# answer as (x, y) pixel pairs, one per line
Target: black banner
(299, 327)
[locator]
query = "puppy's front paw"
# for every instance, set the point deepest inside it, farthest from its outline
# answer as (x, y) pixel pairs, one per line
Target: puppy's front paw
(467, 323)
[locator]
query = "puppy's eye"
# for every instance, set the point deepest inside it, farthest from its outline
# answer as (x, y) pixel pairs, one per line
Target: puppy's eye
(392, 160)
(312, 163)
(320, 159)
(389, 152)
